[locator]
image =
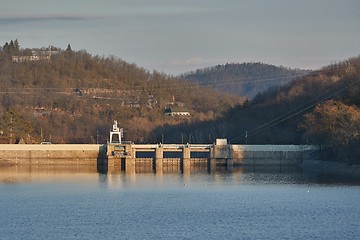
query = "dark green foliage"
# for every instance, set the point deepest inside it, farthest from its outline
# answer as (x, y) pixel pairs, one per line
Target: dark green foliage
(11, 48)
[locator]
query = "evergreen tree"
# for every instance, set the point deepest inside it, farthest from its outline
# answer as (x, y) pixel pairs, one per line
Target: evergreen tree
(16, 45)
(6, 45)
(12, 47)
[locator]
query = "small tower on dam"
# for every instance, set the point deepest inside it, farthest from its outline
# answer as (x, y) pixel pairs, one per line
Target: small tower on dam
(116, 133)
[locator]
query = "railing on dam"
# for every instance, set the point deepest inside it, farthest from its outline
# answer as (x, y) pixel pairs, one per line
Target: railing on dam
(171, 147)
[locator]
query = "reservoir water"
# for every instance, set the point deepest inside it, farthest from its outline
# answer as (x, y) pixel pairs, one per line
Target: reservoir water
(244, 203)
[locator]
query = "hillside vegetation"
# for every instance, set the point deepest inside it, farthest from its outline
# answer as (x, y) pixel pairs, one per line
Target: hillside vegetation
(67, 96)
(246, 79)
(322, 108)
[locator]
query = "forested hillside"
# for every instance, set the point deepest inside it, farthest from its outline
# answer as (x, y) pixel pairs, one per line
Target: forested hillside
(322, 108)
(67, 96)
(246, 79)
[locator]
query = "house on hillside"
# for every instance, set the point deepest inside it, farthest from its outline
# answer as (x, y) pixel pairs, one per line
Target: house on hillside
(29, 58)
(173, 111)
(43, 54)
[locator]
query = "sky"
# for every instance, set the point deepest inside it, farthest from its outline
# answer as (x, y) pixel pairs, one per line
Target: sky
(178, 36)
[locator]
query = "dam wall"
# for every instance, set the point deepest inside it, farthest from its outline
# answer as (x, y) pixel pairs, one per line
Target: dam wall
(126, 154)
(51, 154)
(265, 154)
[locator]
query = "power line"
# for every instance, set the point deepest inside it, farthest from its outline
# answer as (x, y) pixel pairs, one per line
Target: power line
(188, 84)
(291, 113)
(168, 86)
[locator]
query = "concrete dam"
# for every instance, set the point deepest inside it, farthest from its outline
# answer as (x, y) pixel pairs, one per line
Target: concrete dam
(126, 156)
(120, 155)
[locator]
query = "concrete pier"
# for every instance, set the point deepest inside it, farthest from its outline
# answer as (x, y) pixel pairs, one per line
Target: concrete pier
(129, 165)
(158, 160)
(186, 160)
(212, 164)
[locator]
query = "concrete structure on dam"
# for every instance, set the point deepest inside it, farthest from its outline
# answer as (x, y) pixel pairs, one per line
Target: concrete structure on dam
(127, 156)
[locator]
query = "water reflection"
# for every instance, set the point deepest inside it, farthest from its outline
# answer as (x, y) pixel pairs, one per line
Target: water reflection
(145, 176)
(33, 173)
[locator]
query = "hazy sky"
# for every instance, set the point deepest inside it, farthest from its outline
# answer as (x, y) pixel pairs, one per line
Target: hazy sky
(175, 36)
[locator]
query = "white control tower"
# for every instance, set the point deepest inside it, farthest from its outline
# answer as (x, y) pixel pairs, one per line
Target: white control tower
(116, 133)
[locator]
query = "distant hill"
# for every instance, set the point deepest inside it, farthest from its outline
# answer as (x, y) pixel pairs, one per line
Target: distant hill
(246, 79)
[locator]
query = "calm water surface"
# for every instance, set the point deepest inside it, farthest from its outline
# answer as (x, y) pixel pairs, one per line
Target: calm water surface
(78, 203)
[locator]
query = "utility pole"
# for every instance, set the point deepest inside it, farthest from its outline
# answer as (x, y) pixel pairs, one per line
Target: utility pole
(11, 130)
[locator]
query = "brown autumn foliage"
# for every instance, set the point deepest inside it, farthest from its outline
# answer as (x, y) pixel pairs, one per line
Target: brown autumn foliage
(332, 123)
(336, 126)
(73, 97)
